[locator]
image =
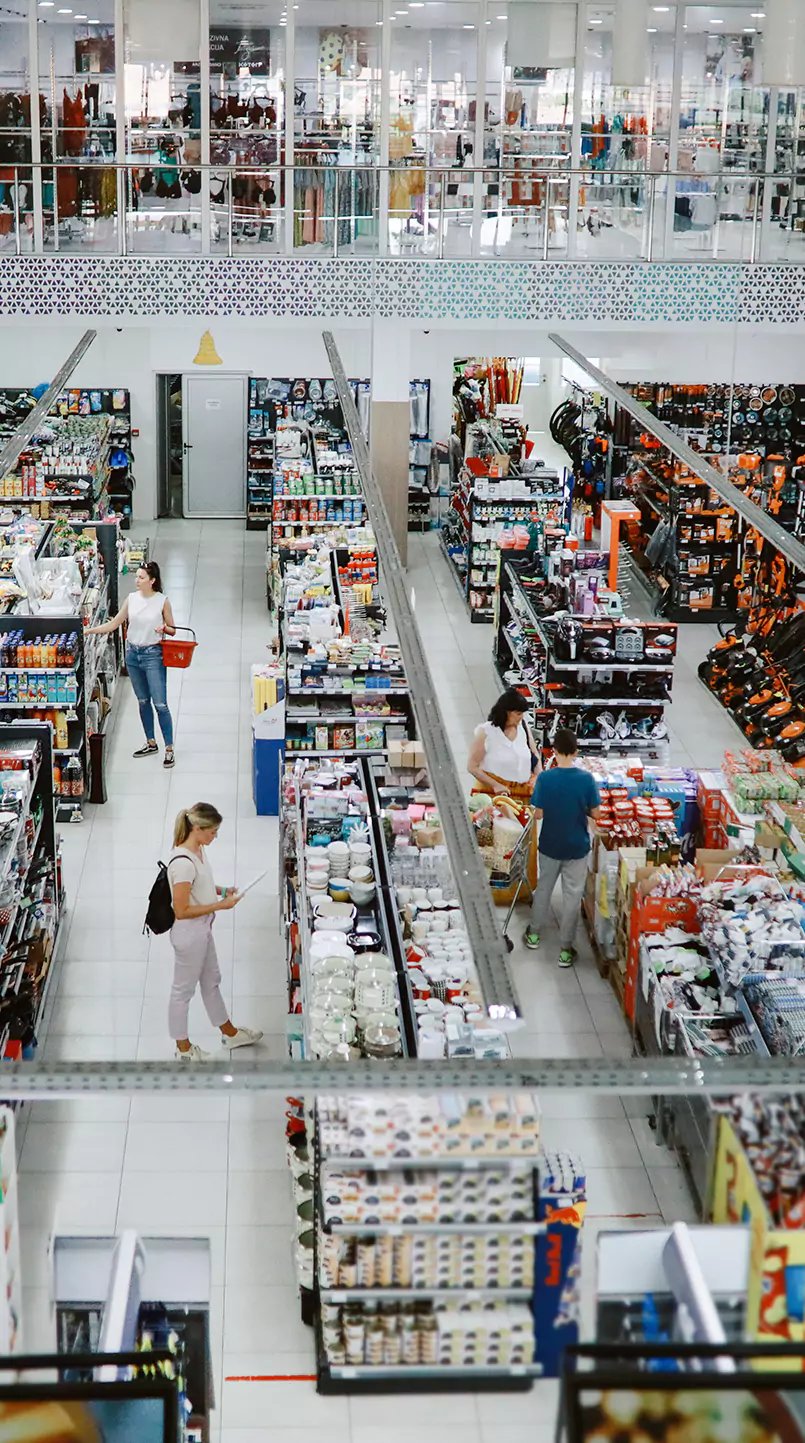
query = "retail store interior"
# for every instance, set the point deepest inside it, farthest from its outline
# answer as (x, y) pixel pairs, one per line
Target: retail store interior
(649, 134)
(402, 508)
(361, 1264)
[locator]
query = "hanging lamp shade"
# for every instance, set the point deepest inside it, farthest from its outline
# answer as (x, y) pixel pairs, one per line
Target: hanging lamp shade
(784, 43)
(629, 43)
(206, 355)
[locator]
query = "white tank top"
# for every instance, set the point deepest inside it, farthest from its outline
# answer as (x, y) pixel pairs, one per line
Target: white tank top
(145, 615)
(509, 760)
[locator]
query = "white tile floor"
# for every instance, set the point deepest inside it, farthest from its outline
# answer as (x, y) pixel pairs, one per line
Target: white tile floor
(216, 1168)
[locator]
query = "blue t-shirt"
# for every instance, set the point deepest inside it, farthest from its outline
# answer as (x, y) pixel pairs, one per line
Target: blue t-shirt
(565, 796)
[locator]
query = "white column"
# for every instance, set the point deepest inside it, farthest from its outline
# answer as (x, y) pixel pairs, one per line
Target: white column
(480, 128)
(121, 183)
(385, 127)
(204, 81)
(575, 133)
(769, 167)
(389, 425)
(36, 133)
(290, 74)
(673, 141)
(629, 43)
(784, 44)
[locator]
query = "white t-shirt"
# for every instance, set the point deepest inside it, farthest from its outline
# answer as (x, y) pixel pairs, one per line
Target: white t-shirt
(509, 760)
(145, 615)
(185, 866)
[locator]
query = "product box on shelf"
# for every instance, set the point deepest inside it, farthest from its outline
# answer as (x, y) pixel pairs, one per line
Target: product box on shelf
(774, 1296)
(650, 913)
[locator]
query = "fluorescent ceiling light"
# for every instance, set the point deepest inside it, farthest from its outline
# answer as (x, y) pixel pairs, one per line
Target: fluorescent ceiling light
(468, 27)
(715, 22)
(46, 4)
(661, 9)
(750, 30)
(758, 14)
(651, 30)
(596, 22)
(64, 11)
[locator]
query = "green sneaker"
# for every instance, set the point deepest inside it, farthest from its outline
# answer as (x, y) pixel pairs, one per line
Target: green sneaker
(567, 956)
(531, 937)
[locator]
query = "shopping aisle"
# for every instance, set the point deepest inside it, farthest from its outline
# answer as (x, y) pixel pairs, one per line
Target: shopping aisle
(181, 1166)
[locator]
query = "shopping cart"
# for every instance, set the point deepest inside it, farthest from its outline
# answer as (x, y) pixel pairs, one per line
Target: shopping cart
(508, 870)
(518, 872)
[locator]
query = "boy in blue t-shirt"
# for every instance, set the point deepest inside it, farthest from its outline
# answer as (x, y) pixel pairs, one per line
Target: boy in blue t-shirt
(565, 798)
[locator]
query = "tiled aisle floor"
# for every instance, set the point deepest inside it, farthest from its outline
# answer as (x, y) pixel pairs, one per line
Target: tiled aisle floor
(217, 1168)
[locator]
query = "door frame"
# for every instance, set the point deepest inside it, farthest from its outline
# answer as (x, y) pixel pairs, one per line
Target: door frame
(187, 445)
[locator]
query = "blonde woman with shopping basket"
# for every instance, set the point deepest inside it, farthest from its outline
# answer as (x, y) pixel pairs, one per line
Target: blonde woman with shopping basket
(196, 899)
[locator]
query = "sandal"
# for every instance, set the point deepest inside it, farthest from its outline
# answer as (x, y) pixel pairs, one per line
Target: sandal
(169, 757)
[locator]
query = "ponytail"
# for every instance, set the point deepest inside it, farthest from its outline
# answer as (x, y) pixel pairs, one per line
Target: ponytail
(202, 815)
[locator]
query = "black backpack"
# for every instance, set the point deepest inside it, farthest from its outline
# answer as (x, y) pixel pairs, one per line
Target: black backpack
(160, 916)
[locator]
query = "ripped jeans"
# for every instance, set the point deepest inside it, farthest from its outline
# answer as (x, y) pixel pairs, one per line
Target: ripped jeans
(150, 681)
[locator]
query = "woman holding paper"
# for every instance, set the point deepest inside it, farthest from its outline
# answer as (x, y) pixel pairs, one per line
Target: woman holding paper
(196, 899)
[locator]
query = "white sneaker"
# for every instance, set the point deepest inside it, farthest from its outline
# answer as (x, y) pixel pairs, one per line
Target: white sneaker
(193, 1054)
(244, 1037)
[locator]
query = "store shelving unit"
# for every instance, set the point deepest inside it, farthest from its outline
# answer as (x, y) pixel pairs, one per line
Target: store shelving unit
(78, 480)
(332, 713)
(96, 662)
(11, 1338)
(525, 655)
(30, 877)
(475, 520)
(371, 1309)
(419, 496)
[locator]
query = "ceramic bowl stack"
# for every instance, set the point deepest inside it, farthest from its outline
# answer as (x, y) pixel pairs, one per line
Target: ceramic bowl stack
(447, 1000)
(353, 1004)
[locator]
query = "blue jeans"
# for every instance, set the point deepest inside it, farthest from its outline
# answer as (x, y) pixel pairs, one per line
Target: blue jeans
(150, 681)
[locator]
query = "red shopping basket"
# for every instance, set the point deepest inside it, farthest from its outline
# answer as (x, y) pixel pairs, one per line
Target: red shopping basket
(179, 653)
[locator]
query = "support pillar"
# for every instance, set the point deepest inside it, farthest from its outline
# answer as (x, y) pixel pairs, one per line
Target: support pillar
(389, 423)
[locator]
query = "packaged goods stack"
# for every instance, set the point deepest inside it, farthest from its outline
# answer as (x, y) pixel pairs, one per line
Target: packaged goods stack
(419, 458)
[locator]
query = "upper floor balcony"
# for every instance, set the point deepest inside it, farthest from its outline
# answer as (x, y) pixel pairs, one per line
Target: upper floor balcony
(527, 209)
(589, 130)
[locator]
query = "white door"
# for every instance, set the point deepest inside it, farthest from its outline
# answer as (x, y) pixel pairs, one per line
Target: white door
(214, 423)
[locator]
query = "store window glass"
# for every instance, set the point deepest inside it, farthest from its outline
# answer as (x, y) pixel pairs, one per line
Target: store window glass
(433, 88)
(531, 50)
(16, 195)
(247, 117)
(163, 124)
(723, 128)
(625, 133)
(336, 126)
(78, 112)
(754, 128)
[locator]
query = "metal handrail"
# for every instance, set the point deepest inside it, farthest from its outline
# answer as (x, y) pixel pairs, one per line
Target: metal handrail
(552, 172)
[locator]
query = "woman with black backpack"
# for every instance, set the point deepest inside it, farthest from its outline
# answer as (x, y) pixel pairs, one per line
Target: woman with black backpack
(196, 899)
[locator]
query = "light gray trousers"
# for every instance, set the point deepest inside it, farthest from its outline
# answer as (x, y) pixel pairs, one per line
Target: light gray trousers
(195, 964)
(574, 875)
